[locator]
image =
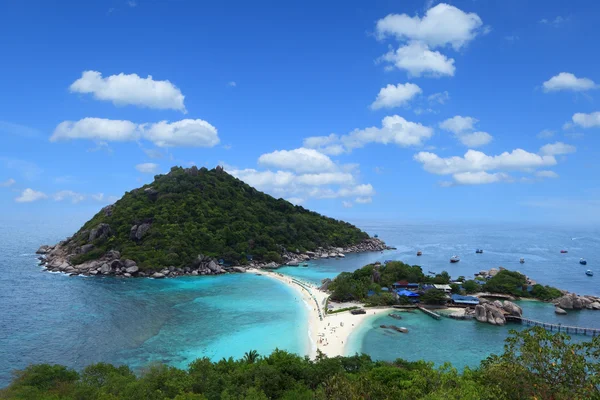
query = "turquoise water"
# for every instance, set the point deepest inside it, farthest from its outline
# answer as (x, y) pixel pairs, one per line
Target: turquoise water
(77, 321)
(463, 343)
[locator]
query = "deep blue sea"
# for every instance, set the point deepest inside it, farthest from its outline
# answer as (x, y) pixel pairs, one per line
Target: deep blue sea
(77, 321)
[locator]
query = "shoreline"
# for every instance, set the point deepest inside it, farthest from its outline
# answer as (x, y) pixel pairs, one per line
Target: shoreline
(327, 333)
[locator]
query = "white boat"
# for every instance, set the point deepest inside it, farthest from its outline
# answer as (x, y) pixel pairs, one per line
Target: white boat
(589, 272)
(522, 261)
(454, 259)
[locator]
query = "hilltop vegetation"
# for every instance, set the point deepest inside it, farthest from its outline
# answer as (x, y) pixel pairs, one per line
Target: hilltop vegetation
(199, 211)
(515, 283)
(535, 365)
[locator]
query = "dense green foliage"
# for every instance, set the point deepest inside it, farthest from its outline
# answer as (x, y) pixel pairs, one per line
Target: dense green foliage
(434, 296)
(356, 285)
(210, 212)
(514, 283)
(470, 286)
(535, 365)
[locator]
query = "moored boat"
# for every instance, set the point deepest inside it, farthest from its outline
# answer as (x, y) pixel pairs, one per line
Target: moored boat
(582, 261)
(522, 261)
(589, 272)
(419, 253)
(454, 259)
(563, 251)
(479, 251)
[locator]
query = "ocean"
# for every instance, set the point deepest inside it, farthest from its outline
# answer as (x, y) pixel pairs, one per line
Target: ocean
(76, 321)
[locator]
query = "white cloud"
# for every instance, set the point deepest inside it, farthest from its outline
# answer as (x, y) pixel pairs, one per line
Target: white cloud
(363, 200)
(10, 128)
(475, 139)
(395, 95)
(568, 81)
(68, 195)
(184, 133)
(298, 160)
(130, 90)
(8, 183)
(96, 129)
(147, 168)
(97, 196)
(556, 22)
(462, 127)
(264, 180)
(231, 84)
(475, 161)
(556, 149)
(30, 195)
(479, 178)
(364, 190)
(442, 25)
(131, 3)
(325, 144)
(546, 174)
(417, 59)
(394, 130)
(27, 169)
(458, 124)
(441, 97)
(153, 153)
(326, 178)
(587, 120)
(347, 204)
(546, 134)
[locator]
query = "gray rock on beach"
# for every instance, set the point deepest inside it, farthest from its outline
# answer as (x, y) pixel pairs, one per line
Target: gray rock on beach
(559, 311)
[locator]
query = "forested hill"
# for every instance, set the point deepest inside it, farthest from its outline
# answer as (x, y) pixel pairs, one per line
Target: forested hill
(199, 211)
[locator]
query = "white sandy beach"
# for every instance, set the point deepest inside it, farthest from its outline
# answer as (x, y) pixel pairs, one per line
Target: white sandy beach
(328, 333)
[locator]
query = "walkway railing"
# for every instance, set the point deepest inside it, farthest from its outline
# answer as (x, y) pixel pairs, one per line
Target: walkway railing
(577, 330)
(429, 312)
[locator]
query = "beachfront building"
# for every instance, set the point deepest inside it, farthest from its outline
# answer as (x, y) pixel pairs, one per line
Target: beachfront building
(464, 300)
(444, 288)
(405, 285)
(412, 296)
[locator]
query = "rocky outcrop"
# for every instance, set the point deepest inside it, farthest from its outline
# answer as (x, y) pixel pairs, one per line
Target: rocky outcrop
(239, 269)
(559, 311)
(512, 309)
(325, 284)
(571, 301)
(100, 232)
(137, 232)
(490, 313)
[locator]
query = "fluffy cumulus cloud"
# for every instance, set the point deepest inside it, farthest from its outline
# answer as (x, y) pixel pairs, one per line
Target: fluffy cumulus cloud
(590, 120)
(546, 174)
(442, 25)
(475, 166)
(184, 133)
(131, 89)
(439, 98)
(556, 149)
(479, 178)
(463, 127)
(347, 204)
(394, 130)
(546, 134)
(568, 81)
(302, 160)
(70, 195)
(363, 200)
(475, 139)
(7, 183)
(458, 124)
(29, 195)
(395, 95)
(418, 60)
(147, 168)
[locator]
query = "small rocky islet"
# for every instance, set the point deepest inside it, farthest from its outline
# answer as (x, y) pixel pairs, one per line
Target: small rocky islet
(200, 222)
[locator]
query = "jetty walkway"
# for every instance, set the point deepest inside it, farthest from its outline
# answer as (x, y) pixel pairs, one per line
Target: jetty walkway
(577, 330)
(429, 312)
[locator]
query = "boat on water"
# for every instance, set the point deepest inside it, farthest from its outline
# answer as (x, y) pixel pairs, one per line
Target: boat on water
(522, 261)
(479, 251)
(304, 264)
(582, 261)
(563, 251)
(454, 259)
(419, 253)
(589, 272)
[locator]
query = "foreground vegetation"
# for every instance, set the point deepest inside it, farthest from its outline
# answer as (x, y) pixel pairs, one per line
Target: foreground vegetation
(366, 284)
(535, 365)
(200, 211)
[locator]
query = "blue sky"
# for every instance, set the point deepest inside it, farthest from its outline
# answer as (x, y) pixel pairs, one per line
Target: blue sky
(465, 110)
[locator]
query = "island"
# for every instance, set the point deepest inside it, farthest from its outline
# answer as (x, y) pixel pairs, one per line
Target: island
(195, 221)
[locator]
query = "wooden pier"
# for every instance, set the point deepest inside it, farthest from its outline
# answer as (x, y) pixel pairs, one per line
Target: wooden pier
(429, 312)
(577, 330)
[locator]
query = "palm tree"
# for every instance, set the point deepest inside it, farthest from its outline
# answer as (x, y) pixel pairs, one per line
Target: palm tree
(251, 356)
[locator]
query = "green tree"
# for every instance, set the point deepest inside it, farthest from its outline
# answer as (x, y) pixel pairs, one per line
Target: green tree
(470, 286)
(434, 296)
(251, 356)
